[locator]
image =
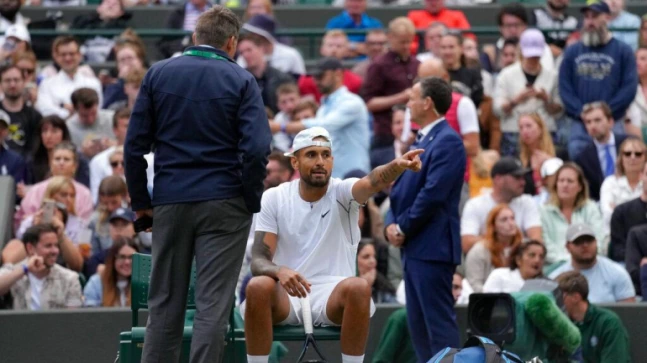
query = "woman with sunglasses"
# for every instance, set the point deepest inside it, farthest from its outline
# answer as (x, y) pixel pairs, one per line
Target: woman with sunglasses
(117, 162)
(110, 286)
(626, 184)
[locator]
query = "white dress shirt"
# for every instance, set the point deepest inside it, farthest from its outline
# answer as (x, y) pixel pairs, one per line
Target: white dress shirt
(601, 151)
(57, 90)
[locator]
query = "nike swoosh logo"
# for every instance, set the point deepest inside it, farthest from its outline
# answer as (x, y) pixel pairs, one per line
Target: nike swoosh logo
(325, 214)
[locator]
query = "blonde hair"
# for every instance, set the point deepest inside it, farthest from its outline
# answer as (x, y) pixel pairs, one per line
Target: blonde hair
(55, 185)
(620, 169)
(335, 33)
(266, 3)
(402, 24)
(581, 198)
(545, 141)
(484, 161)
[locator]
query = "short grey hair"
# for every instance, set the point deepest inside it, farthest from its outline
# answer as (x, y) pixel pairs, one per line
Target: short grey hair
(216, 26)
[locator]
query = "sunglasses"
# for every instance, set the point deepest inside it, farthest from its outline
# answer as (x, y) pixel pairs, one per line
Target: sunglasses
(114, 164)
(628, 154)
(27, 70)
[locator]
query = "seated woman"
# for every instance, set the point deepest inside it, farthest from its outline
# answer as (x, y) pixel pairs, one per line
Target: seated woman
(113, 194)
(111, 285)
(480, 180)
(501, 235)
(535, 147)
(568, 203)
(526, 263)
(383, 292)
(626, 184)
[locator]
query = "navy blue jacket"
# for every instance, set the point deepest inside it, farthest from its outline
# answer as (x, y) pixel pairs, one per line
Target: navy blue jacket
(425, 204)
(206, 120)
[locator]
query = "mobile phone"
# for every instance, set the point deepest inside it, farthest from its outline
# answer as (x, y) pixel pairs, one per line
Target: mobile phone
(48, 211)
(143, 223)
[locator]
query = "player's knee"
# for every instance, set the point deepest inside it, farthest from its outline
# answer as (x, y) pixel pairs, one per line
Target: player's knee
(260, 287)
(358, 289)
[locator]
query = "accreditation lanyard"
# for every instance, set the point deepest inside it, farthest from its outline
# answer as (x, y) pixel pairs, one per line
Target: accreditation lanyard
(203, 54)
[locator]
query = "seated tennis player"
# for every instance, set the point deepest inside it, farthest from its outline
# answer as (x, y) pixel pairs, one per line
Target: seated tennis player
(305, 243)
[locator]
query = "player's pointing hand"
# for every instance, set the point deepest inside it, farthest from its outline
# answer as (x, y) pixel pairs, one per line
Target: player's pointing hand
(411, 160)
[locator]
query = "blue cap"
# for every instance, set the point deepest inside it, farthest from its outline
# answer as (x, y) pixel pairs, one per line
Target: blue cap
(597, 6)
(123, 213)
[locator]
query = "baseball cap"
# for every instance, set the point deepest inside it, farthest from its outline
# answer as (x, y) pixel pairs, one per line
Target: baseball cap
(508, 165)
(4, 118)
(578, 230)
(326, 64)
(550, 167)
(18, 31)
(532, 43)
(597, 6)
(306, 138)
(123, 213)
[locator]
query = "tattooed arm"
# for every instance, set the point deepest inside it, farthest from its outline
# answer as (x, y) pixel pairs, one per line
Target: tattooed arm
(382, 176)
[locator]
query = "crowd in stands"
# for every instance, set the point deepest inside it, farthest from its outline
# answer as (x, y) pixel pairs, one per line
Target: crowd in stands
(553, 117)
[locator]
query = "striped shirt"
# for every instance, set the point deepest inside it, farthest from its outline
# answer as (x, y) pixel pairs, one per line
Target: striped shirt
(191, 15)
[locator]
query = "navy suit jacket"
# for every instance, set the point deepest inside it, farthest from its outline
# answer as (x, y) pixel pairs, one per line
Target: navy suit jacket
(589, 161)
(425, 204)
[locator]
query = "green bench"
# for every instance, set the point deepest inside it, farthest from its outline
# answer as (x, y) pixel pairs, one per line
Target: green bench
(131, 342)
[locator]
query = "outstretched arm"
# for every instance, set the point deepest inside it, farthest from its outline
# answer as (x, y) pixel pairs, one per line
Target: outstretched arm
(382, 176)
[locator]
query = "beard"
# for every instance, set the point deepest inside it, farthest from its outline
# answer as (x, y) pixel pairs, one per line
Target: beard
(556, 7)
(594, 38)
(584, 261)
(315, 183)
(9, 13)
(13, 96)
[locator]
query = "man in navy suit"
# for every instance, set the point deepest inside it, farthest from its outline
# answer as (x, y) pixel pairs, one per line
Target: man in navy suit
(424, 220)
(598, 158)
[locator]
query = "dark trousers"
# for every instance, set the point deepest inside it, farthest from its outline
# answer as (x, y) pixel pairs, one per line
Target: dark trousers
(215, 232)
(430, 306)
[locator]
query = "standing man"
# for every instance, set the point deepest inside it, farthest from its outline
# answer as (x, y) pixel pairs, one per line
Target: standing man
(206, 118)
(424, 221)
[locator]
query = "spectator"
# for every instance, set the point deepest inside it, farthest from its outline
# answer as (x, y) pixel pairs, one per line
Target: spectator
(626, 183)
(636, 258)
(464, 80)
(434, 34)
(642, 39)
(354, 17)
(620, 18)
(501, 236)
(54, 93)
(38, 283)
(554, 16)
(512, 20)
(333, 45)
(508, 183)
(23, 119)
(471, 53)
(113, 194)
(250, 48)
(389, 79)
(279, 170)
(343, 114)
(51, 132)
(90, 127)
(100, 165)
(117, 162)
(183, 17)
(27, 64)
(10, 15)
(382, 291)
(131, 86)
(480, 180)
(548, 173)
(382, 155)
(306, 108)
(435, 11)
(287, 96)
(110, 14)
(286, 59)
(526, 263)
(258, 7)
(16, 41)
(111, 286)
(375, 46)
(120, 226)
(597, 68)
(11, 163)
(626, 216)
(523, 88)
(569, 204)
(638, 111)
(608, 280)
(130, 57)
(509, 52)
(64, 162)
(604, 338)
(535, 147)
(598, 155)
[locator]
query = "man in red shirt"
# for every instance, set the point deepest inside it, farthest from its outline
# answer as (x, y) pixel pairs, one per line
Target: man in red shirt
(435, 11)
(334, 44)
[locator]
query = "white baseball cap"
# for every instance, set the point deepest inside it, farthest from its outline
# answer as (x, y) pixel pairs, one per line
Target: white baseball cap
(18, 31)
(306, 138)
(532, 43)
(550, 167)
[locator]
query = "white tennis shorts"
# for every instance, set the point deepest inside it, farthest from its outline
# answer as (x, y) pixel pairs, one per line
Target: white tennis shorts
(319, 295)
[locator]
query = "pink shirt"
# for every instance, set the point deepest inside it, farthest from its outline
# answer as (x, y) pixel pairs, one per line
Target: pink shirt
(32, 201)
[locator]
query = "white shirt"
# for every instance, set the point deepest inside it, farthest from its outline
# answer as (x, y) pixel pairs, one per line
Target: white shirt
(526, 214)
(57, 90)
(36, 286)
(504, 280)
(100, 169)
(615, 191)
(285, 59)
(5, 23)
(319, 240)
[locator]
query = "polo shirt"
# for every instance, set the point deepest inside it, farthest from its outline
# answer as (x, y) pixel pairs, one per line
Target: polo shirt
(345, 21)
(604, 338)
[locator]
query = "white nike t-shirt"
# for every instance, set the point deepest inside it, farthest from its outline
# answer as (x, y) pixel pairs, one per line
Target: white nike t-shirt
(318, 240)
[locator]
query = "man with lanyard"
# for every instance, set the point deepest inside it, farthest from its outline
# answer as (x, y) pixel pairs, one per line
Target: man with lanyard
(306, 240)
(206, 118)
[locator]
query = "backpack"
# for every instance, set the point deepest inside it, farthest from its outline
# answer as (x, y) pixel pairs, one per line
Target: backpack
(477, 349)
